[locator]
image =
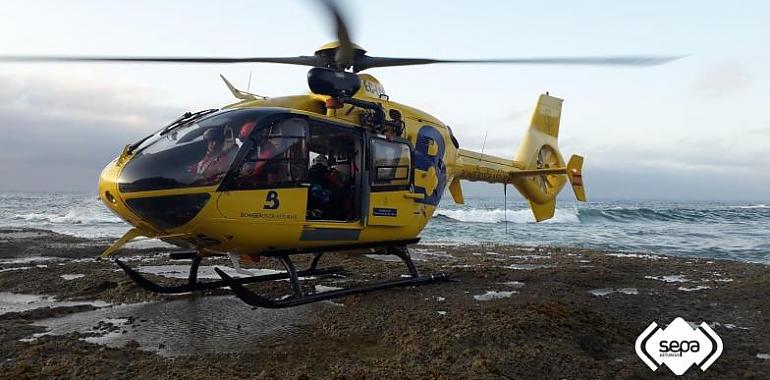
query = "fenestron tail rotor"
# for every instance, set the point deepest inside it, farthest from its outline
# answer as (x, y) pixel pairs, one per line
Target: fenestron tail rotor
(344, 55)
(546, 158)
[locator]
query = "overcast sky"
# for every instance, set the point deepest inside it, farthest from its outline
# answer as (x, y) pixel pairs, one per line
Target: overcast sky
(693, 129)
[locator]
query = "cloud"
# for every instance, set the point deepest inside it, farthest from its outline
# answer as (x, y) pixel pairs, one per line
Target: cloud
(59, 133)
(733, 154)
(725, 78)
(80, 99)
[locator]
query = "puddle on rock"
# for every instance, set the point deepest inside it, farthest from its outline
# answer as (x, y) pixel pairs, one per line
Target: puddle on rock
(191, 325)
(528, 266)
(389, 258)
(493, 295)
(637, 256)
(420, 254)
(15, 303)
(325, 288)
(607, 291)
(204, 271)
(669, 278)
(30, 260)
(22, 268)
(515, 284)
(70, 277)
(531, 257)
(693, 289)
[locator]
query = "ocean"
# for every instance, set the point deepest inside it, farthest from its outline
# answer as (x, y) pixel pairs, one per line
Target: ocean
(724, 230)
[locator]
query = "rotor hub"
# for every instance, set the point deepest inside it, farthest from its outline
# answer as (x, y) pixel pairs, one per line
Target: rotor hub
(332, 47)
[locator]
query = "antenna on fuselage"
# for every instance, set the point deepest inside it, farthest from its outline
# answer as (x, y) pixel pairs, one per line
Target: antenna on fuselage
(484, 144)
(505, 207)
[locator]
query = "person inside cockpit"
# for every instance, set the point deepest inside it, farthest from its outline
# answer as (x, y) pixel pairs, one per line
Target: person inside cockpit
(329, 197)
(217, 158)
(320, 192)
(260, 168)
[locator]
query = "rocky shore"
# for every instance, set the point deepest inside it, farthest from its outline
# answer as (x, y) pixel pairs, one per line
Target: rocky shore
(509, 313)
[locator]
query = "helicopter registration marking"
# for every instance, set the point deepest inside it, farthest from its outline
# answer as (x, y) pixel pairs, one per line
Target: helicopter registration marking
(373, 88)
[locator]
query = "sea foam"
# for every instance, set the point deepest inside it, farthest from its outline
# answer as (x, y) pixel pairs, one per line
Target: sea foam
(475, 215)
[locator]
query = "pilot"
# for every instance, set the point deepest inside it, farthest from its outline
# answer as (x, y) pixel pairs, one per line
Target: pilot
(216, 160)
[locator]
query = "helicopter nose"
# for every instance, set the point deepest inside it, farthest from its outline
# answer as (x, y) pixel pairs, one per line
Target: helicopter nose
(153, 213)
(109, 194)
(108, 187)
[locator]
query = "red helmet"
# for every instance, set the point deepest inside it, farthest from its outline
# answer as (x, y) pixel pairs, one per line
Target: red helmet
(246, 130)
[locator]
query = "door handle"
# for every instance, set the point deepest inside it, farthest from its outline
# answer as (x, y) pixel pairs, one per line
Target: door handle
(414, 195)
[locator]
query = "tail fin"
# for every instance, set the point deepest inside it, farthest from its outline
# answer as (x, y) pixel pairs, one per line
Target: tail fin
(539, 149)
(575, 175)
(538, 171)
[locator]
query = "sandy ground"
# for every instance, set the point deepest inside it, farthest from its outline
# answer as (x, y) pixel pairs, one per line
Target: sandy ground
(510, 312)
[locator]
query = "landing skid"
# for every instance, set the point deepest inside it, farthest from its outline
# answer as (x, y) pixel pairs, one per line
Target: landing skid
(301, 298)
(298, 297)
(194, 285)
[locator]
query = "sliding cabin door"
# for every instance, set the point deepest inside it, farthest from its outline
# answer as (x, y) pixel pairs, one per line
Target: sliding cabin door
(391, 202)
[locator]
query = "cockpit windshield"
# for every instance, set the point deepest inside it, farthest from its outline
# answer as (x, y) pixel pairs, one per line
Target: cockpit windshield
(196, 154)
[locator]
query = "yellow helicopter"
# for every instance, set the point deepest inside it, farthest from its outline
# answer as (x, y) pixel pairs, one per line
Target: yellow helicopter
(341, 169)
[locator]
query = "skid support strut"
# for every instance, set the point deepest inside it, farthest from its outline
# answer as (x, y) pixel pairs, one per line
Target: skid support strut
(300, 298)
(194, 285)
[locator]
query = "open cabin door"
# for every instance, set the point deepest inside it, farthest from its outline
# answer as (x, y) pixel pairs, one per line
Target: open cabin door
(334, 183)
(391, 201)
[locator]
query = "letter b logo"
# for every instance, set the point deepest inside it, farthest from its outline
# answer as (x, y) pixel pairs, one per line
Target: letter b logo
(271, 201)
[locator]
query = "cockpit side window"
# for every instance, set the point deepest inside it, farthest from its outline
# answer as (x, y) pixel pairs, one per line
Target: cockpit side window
(278, 156)
(390, 163)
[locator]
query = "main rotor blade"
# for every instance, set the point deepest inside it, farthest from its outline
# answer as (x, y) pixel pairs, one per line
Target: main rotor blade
(300, 60)
(367, 62)
(345, 54)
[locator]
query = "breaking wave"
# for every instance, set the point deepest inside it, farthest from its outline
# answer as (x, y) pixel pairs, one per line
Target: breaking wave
(728, 214)
(752, 206)
(76, 215)
(499, 216)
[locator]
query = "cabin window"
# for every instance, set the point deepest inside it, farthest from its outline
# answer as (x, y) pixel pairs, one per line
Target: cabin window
(333, 176)
(391, 164)
(278, 156)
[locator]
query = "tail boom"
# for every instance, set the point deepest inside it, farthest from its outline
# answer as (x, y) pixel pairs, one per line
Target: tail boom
(485, 168)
